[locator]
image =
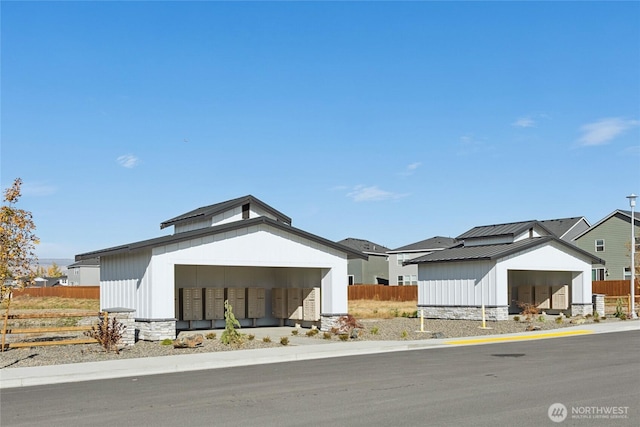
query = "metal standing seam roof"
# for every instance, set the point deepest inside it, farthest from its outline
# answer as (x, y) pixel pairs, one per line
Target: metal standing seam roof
(211, 210)
(205, 231)
(493, 252)
(510, 229)
(437, 242)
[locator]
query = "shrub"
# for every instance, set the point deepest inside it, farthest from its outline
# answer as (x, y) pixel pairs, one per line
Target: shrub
(516, 318)
(284, 340)
(251, 337)
(395, 312)
(230, 334)
(374, 330)
(559, 320)
(404, 334)
(107, 333)
(344, 337)
(266, 339)
(619, 309)
(294, 332)
(211, 336)
(541, 319)
(312, 332)
(346, 324)
(326, 335)
(529, 311)
(166, 341)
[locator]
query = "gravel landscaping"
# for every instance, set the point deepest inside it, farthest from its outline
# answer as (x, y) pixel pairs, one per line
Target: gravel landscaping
(395, 329)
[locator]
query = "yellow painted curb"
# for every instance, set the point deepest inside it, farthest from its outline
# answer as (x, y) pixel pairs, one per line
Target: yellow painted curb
(520, 337)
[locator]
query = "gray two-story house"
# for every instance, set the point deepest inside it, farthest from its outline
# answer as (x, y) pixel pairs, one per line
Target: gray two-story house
(371, 271)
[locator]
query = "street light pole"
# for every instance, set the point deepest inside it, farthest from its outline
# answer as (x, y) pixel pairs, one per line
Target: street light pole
(632, 203)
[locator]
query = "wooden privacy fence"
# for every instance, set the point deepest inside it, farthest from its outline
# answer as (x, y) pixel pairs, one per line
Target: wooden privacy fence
(81, 292)
(383, 293)
(8, 330)
(614, 287)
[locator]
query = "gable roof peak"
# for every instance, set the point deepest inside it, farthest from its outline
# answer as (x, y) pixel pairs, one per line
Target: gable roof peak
(506, 229)
(209, 211)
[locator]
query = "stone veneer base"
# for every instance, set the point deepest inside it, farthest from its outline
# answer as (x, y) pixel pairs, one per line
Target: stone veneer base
(329, 320)
(156, 329)
(464, 312)
(581, 309)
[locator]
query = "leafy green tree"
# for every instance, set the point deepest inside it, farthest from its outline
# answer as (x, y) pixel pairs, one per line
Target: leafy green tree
(17, 243)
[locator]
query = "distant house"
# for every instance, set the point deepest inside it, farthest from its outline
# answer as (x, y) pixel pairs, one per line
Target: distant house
(242, 251)
(502, 266)
(85, 272)
(566, 228)
(609, 239)
(48, 282)
(371, 271)
(401, 273)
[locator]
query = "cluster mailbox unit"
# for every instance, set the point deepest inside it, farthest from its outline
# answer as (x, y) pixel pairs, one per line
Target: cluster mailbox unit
(295, 304)
(545, 297)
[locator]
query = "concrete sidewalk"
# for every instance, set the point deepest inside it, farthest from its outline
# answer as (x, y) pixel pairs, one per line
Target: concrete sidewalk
(299, 349)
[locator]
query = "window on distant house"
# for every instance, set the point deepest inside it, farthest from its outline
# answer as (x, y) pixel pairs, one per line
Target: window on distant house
(402, 258)
(627, 273)
(351, 279)
(245, 211)
(597, 274)
(408, 279)
(599, 245)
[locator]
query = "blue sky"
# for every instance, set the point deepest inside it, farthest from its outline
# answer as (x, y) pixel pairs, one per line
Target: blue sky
(386, 121)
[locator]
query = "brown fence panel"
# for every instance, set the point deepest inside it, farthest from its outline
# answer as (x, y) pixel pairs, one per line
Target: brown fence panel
(383, 293)
(81, 292)
(614, 287)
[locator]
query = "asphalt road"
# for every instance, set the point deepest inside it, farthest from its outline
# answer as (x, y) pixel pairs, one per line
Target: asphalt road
(487, 385)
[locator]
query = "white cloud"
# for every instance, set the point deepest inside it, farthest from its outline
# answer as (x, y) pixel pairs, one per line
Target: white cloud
(361, 193)
(604, 130)
(410, 169)
(524, 122)
(128, 161)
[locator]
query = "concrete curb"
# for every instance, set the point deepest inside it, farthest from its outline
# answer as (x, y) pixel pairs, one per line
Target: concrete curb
(55, 374)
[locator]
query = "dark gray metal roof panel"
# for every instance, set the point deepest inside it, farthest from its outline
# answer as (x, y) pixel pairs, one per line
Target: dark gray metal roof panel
(437, 242)
(202, 232)
(211, 210)
(89, 262)
(493, 252)
(559, 227)
(364, 246)
(510, 229)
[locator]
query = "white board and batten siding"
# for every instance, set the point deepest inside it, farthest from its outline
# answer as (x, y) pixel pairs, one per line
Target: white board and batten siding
(456, 284)
(232, 215)
(550, 257)
(126, 279)
(461, 283)
(122, 279)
